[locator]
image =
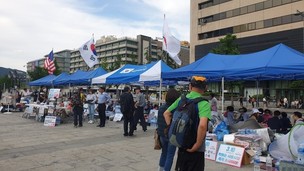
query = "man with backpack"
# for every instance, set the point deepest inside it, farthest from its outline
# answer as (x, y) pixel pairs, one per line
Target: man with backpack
(188, 119)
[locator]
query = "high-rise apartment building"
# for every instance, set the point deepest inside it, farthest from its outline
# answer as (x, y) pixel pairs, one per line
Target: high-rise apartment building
(62, 59)
(258, 24)
(129, 50)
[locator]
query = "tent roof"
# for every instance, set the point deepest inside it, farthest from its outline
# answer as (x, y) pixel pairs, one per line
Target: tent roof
(60, 78)
(276, 63)
(134, 73)
(47, 81)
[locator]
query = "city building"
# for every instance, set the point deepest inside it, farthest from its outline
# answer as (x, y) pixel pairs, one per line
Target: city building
(258, 25)
(139, 50)
(62, 59)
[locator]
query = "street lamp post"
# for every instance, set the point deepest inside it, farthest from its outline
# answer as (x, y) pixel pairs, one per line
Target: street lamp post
(301, 13)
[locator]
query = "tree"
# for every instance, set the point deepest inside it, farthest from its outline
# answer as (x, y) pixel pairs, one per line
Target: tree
(38, 73)
(117, 62)
(298, 84)
(6, 81)
(227, 46)
(104, 64)
(147, 55)
(58, 70)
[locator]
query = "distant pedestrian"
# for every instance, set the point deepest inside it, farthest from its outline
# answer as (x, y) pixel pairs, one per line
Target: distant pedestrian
(140, 103)
(127, 109)
(213, 103)
(77, 103)
(241, 101)
(103, 99)
(91, 99)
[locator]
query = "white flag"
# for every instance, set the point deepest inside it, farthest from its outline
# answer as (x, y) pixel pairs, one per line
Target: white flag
(88, 53)
(171, 44)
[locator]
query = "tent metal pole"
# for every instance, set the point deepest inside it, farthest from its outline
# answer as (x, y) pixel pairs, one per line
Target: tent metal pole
(160, 91)
(223, 95)
(257, 86)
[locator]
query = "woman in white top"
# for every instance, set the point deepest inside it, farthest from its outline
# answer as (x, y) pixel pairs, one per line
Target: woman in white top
(91, 100)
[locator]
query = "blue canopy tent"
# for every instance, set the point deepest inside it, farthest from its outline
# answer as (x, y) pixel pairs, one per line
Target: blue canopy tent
(134, 73)
(276, 63)
(85, 78)
(62, 77)
(44, 81)
(127, 74)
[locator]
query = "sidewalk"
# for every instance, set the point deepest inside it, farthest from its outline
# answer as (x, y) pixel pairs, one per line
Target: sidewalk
(28, 145)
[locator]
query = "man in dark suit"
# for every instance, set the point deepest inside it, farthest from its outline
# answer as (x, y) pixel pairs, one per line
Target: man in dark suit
(127, 109)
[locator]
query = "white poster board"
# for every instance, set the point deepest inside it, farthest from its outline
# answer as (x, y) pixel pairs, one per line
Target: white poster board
(54, 93)
(211, 148)
(50, 121)
(231, 155)
(117, 117)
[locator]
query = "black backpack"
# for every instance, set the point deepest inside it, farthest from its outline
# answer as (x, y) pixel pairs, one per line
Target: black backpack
(185, 120)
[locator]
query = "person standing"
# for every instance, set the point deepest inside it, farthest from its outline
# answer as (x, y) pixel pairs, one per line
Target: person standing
(140, 103)
(194, 159)
(103, 99)
(91, 100)
(168, 150)
(77, 103)
(213, 103)
(241, 101)
(127, 109)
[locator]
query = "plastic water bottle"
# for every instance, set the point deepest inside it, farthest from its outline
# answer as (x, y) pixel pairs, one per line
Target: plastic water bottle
(277, 165)
(256, 162)
(268, 163)
(300, 159)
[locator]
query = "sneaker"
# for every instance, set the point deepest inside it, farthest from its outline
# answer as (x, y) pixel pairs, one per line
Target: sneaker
(90, 122)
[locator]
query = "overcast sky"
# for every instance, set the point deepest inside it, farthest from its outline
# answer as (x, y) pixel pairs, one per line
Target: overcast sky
(29, 29)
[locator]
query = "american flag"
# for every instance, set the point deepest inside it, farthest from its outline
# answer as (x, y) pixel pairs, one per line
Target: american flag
(49, 63)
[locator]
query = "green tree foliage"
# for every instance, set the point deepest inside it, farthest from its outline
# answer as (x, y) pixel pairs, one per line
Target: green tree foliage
(147, 55)
(5, 81)
(38, 73)
(104, 64)
(58, 70)
(299, 84)
(228, 46)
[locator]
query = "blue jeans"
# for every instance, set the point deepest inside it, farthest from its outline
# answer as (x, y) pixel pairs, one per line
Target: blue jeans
(167, 154)
(91, 111)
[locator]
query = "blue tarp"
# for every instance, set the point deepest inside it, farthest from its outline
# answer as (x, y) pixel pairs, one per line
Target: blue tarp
(134, 73)
(84, 78)
(63, 76)
(276, 63)
(44, 81)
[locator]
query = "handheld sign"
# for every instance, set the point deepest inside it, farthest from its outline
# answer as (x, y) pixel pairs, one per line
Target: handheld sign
(50, 121)
(231, 155)
(210, 152)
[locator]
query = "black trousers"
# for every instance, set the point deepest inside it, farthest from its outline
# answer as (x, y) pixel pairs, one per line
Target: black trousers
(139, 115)
(128, 119)
(102, 114)
(190, 161)
(78, 112)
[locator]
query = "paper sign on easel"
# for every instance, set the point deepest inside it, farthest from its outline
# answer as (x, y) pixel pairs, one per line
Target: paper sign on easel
(210, 151)
(50, 121)
(231, 155)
